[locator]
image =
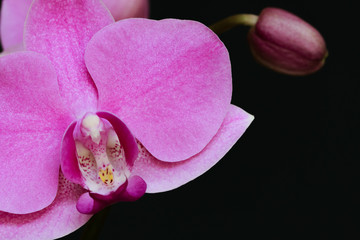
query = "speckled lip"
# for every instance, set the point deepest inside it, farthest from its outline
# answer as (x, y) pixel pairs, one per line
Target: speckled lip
(105, 153)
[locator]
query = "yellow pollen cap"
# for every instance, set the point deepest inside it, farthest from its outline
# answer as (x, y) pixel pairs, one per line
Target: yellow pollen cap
(106, 175)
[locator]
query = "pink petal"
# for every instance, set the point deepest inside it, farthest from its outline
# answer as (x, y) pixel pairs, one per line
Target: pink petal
(57, 220)
(163, 176)
(121, 9)
(13, 14)
(60, 30)
(31, 127)
(169, 81)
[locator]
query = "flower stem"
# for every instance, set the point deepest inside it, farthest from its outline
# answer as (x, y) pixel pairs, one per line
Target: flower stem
(233, 21)
(93, 228)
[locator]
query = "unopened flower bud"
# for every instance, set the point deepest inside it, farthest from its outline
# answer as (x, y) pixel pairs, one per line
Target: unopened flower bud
(286, 43)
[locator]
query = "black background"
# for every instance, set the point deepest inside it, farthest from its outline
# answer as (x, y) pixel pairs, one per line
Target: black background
(293, 173)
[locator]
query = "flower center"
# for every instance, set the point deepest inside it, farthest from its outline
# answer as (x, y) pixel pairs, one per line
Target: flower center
(100, 155)
(106, 175)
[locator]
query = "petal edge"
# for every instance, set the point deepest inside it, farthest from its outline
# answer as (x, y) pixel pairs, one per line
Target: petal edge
(164, 176)
(55, 221)
(31, 125)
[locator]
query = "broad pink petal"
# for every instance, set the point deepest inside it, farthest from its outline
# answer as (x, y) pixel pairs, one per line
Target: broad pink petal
(121, 9)
(60, 30)
(163, 176)
(32, 123)
(57, 220)
(13, 14)
(169, 81)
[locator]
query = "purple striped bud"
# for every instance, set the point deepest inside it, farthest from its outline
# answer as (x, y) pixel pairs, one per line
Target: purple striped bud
(286, 43)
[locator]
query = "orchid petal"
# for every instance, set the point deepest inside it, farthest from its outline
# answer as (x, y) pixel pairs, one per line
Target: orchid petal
(55, 221)
(169, 81)
(60, 30)
(13, 14)
(32, 123)
(121, 9)
(163, 176)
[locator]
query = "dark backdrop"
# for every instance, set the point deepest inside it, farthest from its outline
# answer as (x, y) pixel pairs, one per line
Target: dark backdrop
(292, 174)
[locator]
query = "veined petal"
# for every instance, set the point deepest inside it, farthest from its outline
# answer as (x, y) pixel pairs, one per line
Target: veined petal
(169, 81)
(13, 14)
(121, 9)
(32, 122)
(163, 176)
(55, 221)
(60, 30)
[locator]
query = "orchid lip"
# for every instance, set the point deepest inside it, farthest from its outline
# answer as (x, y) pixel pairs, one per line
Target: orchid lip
(133, 189)
(100, 155)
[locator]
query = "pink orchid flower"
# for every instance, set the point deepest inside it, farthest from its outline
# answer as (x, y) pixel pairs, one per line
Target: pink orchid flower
(13, 14)
(126, 108)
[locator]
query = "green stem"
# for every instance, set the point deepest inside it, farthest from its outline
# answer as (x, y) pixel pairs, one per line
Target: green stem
(233, 21)
(93, 227)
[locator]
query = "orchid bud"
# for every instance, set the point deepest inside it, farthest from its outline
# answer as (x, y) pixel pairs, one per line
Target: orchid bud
(286, 43)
